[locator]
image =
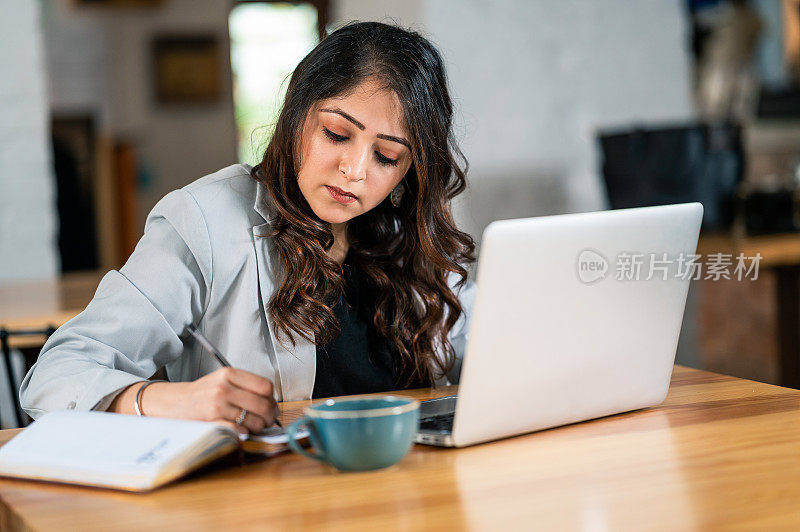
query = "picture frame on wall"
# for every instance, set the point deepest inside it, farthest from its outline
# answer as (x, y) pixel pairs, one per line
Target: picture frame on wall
(187, 69)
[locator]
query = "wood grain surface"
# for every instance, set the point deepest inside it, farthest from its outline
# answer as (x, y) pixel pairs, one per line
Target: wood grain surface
(40, 304)
(720, 452)
(776, 250)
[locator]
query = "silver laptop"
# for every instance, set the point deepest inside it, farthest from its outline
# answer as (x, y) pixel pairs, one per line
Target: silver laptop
(576, 317)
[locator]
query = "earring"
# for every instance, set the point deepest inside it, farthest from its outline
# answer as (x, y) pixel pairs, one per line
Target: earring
(397, 194)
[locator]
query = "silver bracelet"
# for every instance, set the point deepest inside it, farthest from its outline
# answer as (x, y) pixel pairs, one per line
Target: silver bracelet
(136, 402)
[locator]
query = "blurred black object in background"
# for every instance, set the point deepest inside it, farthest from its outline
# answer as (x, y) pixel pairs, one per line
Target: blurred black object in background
(659, 166)
(772, 204)
(781, 104)
(770, 211)
(73, 140)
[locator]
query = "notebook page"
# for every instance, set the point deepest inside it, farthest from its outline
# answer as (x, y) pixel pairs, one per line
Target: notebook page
(80, 446)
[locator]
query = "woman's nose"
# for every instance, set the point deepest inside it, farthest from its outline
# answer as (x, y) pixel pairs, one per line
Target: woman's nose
(354, 166)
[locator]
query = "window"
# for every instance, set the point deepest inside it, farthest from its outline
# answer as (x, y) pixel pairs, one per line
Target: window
(268, 39)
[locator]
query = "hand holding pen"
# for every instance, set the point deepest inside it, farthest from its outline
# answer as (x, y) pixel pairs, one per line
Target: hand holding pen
(248, 393)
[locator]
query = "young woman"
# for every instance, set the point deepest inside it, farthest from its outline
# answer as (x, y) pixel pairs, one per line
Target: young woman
(332, 267)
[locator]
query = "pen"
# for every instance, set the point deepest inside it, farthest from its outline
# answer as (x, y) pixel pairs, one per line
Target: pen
(205, 342)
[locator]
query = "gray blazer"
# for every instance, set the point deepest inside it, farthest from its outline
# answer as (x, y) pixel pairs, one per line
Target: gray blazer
(200, 262)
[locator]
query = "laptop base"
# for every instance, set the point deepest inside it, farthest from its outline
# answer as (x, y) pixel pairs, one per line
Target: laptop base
(436, 422)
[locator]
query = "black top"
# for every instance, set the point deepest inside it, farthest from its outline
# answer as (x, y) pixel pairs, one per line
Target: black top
(359, 360)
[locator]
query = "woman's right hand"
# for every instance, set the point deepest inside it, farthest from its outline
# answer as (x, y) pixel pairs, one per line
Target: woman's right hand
(219, 396)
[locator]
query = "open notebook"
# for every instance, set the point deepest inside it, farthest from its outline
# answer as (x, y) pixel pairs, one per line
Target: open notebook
(123, 452)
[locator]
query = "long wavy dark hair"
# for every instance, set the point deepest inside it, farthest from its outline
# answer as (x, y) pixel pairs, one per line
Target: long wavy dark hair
(408, 252)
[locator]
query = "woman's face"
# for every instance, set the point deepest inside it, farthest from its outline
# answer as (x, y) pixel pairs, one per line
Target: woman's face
(354, 151)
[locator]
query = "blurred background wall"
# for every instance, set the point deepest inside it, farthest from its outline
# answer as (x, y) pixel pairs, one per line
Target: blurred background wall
(534, 81)
(100, 65)
(27, 202)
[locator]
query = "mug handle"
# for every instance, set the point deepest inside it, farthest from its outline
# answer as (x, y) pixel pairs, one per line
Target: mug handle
(296, 447)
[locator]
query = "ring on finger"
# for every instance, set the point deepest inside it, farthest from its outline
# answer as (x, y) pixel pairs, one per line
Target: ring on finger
(242, 415)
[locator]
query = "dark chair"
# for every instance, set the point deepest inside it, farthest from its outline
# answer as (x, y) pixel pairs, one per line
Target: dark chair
(20, 418)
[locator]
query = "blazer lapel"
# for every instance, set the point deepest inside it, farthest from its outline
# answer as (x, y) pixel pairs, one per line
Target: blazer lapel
(297, 364)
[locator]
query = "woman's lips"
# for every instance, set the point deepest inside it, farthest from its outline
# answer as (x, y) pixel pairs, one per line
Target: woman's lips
(340, 195)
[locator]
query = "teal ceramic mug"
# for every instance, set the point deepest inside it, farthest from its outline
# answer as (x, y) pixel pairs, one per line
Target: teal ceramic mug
(360, 433)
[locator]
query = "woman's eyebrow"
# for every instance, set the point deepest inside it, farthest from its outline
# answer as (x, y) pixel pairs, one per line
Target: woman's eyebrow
(362, 127)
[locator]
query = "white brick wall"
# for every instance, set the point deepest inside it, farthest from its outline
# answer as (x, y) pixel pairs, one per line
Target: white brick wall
(28, 247)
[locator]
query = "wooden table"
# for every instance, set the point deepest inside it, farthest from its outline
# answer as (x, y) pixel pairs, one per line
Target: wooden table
(781, 254)
(41, 304)
(721, 452)
(28, 309)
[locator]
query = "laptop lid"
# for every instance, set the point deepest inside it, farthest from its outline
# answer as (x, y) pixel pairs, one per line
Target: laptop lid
(575, 317)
